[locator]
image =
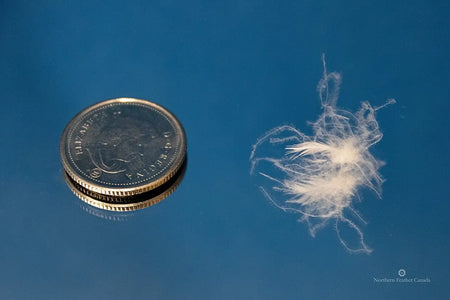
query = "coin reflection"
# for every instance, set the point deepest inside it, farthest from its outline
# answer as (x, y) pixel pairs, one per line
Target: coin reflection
(124, 204)
(115, 216)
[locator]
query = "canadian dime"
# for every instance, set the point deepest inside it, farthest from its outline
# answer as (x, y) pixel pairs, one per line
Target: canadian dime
(123, 147)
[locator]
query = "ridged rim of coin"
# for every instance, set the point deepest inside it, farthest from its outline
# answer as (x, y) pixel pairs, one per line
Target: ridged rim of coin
(147, 199)
(95, 187)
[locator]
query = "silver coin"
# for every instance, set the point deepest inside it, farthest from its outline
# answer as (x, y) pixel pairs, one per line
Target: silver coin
(123, 147)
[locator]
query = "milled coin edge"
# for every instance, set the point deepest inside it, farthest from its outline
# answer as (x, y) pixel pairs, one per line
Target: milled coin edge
(128, 206)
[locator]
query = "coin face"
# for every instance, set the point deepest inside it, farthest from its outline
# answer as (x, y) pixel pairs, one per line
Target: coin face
(123, 147)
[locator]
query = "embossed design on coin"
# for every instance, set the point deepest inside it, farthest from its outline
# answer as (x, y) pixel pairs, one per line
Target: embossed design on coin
(123, 147)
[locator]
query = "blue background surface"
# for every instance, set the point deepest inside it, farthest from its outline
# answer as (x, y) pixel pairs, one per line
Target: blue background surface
(230, 71)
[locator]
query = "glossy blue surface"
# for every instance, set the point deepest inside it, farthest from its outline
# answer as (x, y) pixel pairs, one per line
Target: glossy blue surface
(230, 71)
